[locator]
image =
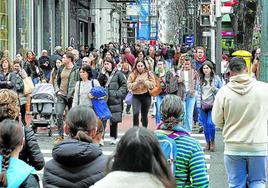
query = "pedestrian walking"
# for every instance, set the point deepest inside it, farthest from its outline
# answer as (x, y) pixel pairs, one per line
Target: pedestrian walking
(188, 76)
(160, 72)
(77, 161)
(190, 165)
(240, 109)
(140, 81)
(116, 84)
(137, 162)
(208, 87)
(14, 172)
(84, 86)
(67, 76)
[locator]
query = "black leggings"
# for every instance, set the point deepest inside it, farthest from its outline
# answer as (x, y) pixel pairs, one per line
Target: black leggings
(113, 128)
(141, 103)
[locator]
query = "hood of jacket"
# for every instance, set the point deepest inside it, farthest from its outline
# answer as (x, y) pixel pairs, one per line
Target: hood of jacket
(241, 84)
(74, 152)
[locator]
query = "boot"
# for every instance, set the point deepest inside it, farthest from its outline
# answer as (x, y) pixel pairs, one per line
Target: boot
(207, 148)
(212, 146)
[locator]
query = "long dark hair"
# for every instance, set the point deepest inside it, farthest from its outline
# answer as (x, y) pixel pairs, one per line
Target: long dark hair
(202, 74)
(11, 135)
(88, 70)
(139, 151)
(80, 121)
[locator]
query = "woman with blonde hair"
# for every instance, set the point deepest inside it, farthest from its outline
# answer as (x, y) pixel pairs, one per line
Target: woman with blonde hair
(9, 109)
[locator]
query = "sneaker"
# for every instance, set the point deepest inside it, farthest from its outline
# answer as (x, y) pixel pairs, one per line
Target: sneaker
(113, 141)
(102, 142)
(58, 140)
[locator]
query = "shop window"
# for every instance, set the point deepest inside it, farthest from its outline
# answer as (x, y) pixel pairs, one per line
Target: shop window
(3, 25)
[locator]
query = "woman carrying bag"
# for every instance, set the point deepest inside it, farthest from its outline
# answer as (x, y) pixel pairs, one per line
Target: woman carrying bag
(83, 87)
(115, 83)
(207, 89)
(140, 81)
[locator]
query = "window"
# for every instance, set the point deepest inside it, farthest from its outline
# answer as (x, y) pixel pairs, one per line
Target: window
(3, 25)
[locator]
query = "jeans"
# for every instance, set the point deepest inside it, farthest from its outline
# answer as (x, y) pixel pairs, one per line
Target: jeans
(47, 74)
(159, 99)
(206, 121)
(36, 80)
(141, 103)
(188, 105)
(61, 104)
(170, 63)
(242, 170)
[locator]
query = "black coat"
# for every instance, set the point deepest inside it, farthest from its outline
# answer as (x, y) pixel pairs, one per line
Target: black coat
(117, 91)
(31, 182)
(74, 164)
(31, 153)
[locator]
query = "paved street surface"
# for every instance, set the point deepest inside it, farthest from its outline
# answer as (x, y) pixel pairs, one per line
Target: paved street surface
(214, 160)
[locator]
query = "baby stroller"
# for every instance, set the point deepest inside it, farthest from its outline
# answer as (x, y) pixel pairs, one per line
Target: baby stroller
(43, 102)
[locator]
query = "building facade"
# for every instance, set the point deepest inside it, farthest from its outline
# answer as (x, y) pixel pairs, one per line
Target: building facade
(43, 24)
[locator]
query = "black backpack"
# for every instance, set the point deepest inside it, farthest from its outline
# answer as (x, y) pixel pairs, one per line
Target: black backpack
(173, 85)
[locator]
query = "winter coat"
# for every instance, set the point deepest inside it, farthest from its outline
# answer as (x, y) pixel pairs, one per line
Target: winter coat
(117, 91)
(5, 80)
(73, 78)
(124, 179)
(31, 153)
(42, 60)
(20, 174)
(75, 164)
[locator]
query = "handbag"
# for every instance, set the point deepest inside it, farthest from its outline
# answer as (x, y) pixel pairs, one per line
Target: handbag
(28, 85)
(157, 89)
(128, 99)
(207, 104)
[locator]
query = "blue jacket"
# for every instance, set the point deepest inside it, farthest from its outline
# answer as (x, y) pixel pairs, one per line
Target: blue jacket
(17, 172)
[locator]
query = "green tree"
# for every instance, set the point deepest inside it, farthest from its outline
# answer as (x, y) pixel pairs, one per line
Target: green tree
(243, 21)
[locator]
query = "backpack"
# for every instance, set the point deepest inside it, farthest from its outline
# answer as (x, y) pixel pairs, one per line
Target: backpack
(172, 83)
(168, 146)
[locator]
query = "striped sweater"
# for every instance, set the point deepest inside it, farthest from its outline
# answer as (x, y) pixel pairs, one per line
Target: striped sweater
(190, 160)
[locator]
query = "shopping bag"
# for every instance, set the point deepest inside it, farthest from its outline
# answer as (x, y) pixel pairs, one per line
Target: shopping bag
(28, 85)
(128, 99)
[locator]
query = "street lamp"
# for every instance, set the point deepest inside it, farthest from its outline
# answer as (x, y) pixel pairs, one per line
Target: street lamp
(191, 9)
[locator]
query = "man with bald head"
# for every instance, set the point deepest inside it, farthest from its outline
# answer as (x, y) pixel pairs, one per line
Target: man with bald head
(77, 60)
(87, 61)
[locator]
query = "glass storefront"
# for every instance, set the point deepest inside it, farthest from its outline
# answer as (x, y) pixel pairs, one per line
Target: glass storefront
(3, 25)
(22, 26)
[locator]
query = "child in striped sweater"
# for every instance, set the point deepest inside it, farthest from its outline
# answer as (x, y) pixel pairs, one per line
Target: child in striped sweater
(190, 170)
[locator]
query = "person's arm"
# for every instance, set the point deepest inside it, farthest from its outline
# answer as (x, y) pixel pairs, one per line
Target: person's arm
(122, 81)
(198, 168)
(218, 111)
(31, 152)
(75, 99)
(150, 82)
(132, 84)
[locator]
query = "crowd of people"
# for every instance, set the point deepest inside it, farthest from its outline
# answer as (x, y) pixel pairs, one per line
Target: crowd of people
(188, 87)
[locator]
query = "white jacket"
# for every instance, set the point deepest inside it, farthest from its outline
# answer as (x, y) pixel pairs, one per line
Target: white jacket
(241, 110)
(123, 179)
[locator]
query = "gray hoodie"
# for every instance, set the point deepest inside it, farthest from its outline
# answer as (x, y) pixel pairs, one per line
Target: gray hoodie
(241, 110)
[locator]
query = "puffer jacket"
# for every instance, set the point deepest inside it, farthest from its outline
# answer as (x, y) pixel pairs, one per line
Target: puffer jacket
(117, 91)
(31, 153)
(75, 164)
